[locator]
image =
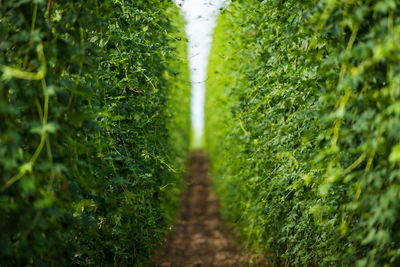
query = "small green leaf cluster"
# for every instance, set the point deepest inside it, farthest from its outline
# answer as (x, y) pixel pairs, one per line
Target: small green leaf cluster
(94, 129)
(303, 123)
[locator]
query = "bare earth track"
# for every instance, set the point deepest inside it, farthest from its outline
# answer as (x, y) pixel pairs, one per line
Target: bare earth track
(199, 237)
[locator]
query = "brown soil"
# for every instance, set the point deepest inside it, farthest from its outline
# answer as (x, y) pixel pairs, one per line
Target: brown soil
(199, 237)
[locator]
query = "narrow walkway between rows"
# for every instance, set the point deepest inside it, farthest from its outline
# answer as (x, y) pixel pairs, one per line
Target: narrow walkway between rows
(199, 237)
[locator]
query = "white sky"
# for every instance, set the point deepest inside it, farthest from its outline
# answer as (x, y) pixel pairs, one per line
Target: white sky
(200, 18)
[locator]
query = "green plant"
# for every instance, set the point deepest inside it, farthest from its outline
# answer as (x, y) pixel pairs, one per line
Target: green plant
(306, 149)
(90, 159)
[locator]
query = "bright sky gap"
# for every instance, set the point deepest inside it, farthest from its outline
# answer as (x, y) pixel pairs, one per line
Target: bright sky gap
(200, 18)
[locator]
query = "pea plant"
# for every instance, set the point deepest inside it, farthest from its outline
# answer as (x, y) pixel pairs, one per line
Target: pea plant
(305, 146)
(94, 130)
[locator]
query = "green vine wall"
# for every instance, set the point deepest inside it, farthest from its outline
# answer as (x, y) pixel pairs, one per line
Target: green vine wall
(305, 146)
(94, 130)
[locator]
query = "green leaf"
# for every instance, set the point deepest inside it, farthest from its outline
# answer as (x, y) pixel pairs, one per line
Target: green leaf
(394, 157)
(50, 127)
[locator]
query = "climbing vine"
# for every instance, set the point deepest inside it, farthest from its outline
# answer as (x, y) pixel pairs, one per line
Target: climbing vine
(91, 96)
(306, 146)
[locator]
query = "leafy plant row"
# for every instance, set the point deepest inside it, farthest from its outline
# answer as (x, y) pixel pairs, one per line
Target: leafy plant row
(303, 127)
(94, 129)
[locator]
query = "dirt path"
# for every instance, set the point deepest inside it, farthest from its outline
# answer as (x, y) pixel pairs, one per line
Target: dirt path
(199, 237)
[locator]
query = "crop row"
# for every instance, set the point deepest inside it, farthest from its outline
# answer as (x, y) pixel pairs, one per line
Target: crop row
(306, 143)
(94, 129)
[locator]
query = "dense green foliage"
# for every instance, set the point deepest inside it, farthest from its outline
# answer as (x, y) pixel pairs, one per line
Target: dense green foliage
(94, 129)
(303, 127)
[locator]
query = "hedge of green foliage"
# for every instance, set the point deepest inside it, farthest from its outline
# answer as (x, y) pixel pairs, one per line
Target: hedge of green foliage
(94, 129)
(303, 127)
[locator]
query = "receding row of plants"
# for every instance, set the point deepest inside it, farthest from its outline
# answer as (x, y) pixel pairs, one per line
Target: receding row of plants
(303, 127)
(94, 129)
